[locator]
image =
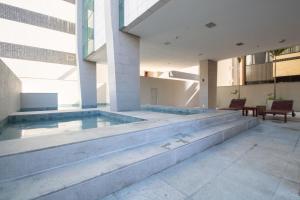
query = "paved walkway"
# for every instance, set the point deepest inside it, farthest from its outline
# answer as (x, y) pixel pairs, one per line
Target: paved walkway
(260, 164)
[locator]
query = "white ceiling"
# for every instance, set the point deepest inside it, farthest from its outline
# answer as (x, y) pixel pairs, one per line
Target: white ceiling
(260, 24)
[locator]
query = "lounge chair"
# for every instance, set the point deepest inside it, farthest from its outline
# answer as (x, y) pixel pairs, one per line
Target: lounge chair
(236, 104)
(281, 107)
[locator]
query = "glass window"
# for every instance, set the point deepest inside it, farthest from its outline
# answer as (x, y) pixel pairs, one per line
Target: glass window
(88, 27)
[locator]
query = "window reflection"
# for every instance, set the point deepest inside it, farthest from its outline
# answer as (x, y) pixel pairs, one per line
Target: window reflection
(88, 27)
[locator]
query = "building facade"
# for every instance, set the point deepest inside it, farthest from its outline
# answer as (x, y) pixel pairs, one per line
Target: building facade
(94, 51)
(37, 42)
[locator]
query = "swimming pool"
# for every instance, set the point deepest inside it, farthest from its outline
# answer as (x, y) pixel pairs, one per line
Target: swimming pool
(25, 126)
(175, 110)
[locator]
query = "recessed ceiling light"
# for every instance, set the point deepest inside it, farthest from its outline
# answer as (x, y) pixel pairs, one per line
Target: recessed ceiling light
(210, 25)
(282, 41)
(167, 43)
(239, 44)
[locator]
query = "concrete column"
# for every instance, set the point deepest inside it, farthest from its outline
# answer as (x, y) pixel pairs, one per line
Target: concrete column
(123, 62)
(87, 70)
(208, 83)
(243, 71)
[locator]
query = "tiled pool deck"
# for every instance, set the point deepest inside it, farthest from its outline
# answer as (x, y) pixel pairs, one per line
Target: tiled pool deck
(153, 119)
(260, 164)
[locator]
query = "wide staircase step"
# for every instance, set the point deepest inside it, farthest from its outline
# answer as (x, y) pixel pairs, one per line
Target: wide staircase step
(98, 176)
(20, 158)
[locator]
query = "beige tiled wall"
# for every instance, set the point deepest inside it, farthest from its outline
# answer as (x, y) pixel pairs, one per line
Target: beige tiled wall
(257, 94)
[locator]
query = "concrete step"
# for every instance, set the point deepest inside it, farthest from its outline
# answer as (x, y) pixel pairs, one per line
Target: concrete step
(95, 178)
(19, 158)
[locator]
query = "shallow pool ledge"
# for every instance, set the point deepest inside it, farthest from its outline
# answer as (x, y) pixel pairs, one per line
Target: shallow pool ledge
(16, 146)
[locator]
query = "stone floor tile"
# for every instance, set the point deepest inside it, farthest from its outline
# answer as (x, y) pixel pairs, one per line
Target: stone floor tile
(292, 171)
(110, 197)
(151, 189)
(261, 164)
(265, 160)
(189, 176)
(239, 183)
(287, 190)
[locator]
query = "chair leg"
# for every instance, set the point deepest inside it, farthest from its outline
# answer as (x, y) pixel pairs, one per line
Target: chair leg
(264, 116)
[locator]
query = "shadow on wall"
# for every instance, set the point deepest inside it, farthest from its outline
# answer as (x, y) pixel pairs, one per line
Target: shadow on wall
(10, 90)
(67, 74)
(102, 93)
(42, 77)
(170, 92)
(193, 95)
(167, 92)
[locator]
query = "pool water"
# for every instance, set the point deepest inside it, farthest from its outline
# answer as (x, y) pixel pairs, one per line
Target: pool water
(175, 110)
(38, 128)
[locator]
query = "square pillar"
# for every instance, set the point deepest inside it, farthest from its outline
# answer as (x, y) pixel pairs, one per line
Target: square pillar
(87, 70)
(123, 62)
(208, 83)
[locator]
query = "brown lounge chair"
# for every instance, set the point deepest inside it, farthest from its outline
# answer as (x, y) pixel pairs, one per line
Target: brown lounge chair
(236, 104)
(281, 107)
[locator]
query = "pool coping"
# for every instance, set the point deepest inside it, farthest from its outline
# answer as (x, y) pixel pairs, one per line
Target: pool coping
(18, 146)
(175, 109)
(63, 115)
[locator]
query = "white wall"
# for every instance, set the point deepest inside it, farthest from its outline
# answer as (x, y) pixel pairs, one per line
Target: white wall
(257, 94)
(225, 72)
(171, 92)
(99, 24)
(102, 86)
(134, 8)
(38, 101)
(42, 77)
(10, 88)
(29, 35)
